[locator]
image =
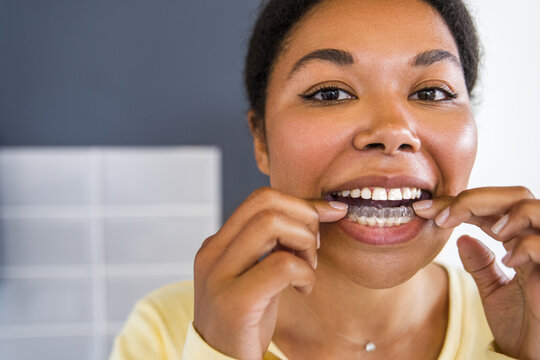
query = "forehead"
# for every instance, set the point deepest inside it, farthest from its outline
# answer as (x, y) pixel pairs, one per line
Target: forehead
(379, 30)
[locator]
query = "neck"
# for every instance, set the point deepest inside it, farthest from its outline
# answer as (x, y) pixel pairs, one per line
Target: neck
(347, 314)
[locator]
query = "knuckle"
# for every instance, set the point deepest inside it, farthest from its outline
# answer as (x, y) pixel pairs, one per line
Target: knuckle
(314, 215)
(268, 218)
(258, 192)
(199, 263)
(529, 240)
(524, 192)
(460, 202)
(207, 241)
(202, 256)
(265, 194)
(464, 196)
(286, 262)
(526, 206)
(308, 238)
(263, 197)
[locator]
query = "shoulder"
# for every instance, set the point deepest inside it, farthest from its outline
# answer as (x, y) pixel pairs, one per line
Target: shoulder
(176, 297)
(157, 325)
(171, 306)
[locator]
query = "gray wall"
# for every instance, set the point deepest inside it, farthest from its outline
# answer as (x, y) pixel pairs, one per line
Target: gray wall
(129, 72)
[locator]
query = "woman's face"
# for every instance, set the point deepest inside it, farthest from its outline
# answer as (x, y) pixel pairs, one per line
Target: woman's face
(370, 94)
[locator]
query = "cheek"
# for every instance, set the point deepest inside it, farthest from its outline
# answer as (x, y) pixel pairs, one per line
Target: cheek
(454, 150)
(300, 151)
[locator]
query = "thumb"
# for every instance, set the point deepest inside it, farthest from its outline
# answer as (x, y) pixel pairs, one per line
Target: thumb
(330, 211)
(479, 261)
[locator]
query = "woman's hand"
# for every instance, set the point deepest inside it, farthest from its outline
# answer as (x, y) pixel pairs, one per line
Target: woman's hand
(237, 292)
(510, 215)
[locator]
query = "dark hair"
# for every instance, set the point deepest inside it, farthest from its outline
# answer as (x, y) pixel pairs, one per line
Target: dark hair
(278, 17)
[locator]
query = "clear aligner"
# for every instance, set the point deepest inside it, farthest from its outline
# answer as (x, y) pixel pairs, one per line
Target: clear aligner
(389, 216)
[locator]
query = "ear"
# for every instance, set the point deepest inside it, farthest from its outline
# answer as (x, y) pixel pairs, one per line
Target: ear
(259, 143)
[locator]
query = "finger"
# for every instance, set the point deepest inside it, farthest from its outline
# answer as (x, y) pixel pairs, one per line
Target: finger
(306, 211)
(329, 211)
(429, 209)
(268, 229)
(509, 244)
(524, 215)
(479, 261)
(474, 204)
(273, 274)
(526, 250)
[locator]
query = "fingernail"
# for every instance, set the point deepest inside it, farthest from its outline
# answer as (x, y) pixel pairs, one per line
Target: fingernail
(422, 205)
(442, 217)
(499, 225)
(506, 258)
(338, 205)
(318, 240)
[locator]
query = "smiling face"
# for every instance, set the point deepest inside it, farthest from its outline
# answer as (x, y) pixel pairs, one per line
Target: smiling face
(370, 94)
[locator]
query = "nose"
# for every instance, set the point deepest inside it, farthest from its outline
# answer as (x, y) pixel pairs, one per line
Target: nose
(389, 132)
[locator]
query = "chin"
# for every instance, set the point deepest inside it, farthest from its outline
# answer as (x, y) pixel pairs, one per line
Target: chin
(380, 267)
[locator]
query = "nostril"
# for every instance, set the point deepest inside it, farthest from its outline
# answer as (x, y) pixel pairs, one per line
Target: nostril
(406, 147)
(379, 146)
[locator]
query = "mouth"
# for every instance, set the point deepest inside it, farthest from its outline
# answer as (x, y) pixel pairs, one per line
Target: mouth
(382, 216)
(380, 207)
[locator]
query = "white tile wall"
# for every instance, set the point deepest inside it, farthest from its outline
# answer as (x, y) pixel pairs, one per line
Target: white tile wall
(85, 232)
(51, 177)
(66, 348)
(31, 241)
(121, 291)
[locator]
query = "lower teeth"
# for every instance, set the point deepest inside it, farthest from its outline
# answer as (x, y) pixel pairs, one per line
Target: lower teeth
(372, 216)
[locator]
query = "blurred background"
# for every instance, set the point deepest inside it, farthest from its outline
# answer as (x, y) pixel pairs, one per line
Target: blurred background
(123, 144)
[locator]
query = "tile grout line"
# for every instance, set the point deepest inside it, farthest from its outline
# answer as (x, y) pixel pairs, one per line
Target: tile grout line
(56, 330)
(181, 268)
(98, 248)
(116, 211)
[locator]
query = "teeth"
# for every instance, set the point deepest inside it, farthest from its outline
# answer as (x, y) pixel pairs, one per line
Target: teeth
(406, 192)
(366, 193)
(385, 217)
(371, 221)
(382, 194)
(394, 194)
(379, 194)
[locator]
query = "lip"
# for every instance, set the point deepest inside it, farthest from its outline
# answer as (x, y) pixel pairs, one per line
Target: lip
(388, 182)
(382, 236)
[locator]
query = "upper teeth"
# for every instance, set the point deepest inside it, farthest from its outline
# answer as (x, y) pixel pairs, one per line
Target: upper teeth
(379, 193)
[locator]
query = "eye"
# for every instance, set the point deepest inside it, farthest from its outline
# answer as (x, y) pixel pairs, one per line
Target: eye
(327, 95)
(331, 94)
(433, 94)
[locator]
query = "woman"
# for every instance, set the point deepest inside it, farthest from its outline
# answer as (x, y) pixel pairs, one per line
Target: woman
(361, 117)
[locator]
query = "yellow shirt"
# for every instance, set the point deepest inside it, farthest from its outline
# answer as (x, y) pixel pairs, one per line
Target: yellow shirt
(160, 327)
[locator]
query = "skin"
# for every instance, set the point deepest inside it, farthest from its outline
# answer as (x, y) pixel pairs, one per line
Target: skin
(307, 299)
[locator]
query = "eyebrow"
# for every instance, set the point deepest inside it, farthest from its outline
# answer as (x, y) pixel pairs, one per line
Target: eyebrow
(336, 56)
(430, 57)
(344, 58)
